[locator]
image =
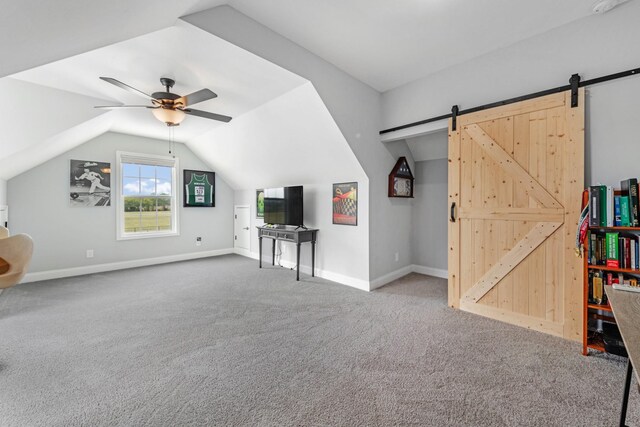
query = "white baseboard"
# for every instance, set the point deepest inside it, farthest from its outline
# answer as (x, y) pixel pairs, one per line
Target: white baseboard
(430, 271)
(121, 265)
(401, 272)
(390, 277)
(306, 269)
(325, 274)
(245, 252)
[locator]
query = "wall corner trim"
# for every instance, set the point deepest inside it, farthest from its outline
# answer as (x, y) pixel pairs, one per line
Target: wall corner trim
(430, 271)
(100, 268)
(401, 272)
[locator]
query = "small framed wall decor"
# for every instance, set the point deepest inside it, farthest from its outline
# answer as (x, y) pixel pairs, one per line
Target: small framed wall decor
(345, 203)
(401, 180)
(259, 203)
(89, 183)
(199, 189)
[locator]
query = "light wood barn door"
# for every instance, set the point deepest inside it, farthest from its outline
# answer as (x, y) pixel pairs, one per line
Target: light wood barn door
(516, 175)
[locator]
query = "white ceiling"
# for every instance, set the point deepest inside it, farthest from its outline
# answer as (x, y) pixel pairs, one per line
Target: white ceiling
(388, 43)
(65, 45)
(383, 43)
(194, 58)
(269, 140)
(60, 96)
(36, 32)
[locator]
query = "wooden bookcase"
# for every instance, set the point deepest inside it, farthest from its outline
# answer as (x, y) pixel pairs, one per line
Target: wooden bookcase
(597, 311)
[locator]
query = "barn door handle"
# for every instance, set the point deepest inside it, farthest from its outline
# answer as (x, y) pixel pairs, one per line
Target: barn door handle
(453, 210)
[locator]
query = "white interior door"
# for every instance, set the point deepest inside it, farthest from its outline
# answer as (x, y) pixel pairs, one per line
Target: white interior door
(241, 226)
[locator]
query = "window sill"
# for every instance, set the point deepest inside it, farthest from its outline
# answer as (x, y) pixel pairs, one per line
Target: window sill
(136, 236)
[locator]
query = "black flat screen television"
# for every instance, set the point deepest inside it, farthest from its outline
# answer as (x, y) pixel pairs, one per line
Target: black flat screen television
(283, 206)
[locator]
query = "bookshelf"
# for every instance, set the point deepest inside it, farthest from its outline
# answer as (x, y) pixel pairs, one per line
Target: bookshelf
(599, 325)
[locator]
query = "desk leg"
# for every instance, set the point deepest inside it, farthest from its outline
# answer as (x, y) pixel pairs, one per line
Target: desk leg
(625, 397)
(297, 261)
(273, 252)
(313, 258)
(260, 250)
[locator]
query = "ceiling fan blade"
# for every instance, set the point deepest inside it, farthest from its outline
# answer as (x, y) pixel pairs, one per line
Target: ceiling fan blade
(124, 106)
(126, 87)
(195, 97)
(207, 115)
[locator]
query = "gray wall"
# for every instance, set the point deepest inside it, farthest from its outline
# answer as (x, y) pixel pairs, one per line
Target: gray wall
(594, 46)
(3, 192)
(355, 107)
(429, 219)
(39, 203)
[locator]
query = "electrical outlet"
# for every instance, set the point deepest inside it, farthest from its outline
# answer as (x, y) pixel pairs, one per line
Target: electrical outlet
(198, 241)
(397, 256)
(89, 253)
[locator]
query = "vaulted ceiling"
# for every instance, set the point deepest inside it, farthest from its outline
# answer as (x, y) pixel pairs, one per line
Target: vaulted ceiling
(54, 52)
(382, 43)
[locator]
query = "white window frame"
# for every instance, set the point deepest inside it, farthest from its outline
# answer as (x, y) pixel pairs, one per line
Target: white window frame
(151, 160)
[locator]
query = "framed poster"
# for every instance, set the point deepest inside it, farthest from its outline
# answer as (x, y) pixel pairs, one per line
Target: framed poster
(259, 203)
(89, 183)
(199, 189)
(345, 203)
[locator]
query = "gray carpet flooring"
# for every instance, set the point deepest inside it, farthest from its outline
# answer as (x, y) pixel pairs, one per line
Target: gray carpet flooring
(218, 342)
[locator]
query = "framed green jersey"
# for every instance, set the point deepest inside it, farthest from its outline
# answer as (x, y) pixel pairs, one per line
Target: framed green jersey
(199, 189)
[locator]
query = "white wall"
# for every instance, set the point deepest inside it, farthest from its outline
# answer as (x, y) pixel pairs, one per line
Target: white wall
(39, 204)
(293, 140)
(355, 107)
(338, 245)
(593, 46)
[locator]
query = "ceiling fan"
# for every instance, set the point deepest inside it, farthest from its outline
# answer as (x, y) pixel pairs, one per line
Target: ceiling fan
(169, 108)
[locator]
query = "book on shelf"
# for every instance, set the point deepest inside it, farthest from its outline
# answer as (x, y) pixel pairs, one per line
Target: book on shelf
(629, 188)
(624, 211)
(594, 206)
(603, 205)
(612, 243)
(606, 209)
(616, 211)
(596, 289)
(609, 213)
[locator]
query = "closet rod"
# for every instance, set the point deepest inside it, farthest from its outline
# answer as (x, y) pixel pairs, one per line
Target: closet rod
(570, 86)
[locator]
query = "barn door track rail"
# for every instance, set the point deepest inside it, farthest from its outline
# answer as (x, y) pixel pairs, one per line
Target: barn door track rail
(574, 84)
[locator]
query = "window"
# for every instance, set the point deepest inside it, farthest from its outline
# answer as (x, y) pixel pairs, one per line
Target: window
(147, 196)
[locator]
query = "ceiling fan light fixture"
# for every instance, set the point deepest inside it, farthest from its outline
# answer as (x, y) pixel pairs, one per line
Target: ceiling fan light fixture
(168, 116)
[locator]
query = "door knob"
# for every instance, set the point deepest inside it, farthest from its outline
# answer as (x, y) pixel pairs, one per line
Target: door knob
(245, 228)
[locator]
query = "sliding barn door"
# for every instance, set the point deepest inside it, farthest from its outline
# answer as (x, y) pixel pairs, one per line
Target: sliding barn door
(516, 175)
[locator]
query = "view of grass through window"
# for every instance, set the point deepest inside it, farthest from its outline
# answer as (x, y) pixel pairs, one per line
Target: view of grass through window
(146, 192)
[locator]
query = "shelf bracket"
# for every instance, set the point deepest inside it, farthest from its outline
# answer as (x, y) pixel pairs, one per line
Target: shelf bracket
(574, 81)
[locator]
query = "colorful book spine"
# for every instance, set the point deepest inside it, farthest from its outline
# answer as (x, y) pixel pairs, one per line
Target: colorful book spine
(629, 188)
(627, 253)
(612, 250)
(616, 211)
(624, 211)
